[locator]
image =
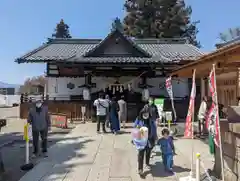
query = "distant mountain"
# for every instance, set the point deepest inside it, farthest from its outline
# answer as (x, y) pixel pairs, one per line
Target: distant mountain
(6, 85)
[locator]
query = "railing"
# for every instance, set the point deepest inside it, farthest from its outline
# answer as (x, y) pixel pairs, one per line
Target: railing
(181, 104)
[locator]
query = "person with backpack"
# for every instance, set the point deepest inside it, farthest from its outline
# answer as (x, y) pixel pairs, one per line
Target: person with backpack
(101, 105)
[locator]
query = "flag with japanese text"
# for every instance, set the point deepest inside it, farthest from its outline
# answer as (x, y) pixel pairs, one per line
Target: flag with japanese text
(212, 121)
(170, 93)
(189, 121)
(169, 87)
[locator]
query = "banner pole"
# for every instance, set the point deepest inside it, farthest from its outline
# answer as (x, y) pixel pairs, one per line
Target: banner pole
(174, 111)
(220, 137)
(192, 124)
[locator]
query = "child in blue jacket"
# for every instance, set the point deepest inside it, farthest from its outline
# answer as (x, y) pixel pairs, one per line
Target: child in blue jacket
(167, 149)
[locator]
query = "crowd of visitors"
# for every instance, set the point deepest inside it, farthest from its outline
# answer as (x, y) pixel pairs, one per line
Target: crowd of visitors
(115, 113)
(110, 113)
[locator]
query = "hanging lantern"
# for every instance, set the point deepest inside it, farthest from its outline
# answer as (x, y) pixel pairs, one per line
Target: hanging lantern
(129, 86)
(145, 94)
(117, 88)
(113, 90)
(121, 89)
(86, 94)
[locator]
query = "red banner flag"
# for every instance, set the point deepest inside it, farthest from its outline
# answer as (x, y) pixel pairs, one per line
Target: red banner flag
(188, 127)
(212, 121)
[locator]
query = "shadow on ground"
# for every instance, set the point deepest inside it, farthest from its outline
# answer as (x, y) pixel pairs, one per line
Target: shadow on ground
(157, 170)
(14, 153)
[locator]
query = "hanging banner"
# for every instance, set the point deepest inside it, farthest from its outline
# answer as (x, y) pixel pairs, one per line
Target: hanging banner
(212, 121)
(159, 103)
(170, 93)
(189, 119)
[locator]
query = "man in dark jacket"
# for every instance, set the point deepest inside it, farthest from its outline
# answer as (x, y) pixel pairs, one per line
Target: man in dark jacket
(39, 119)
(148, 115)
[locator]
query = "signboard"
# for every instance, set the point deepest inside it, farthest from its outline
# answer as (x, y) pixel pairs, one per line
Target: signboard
(86, 94)
(168, 116)
(83, 109)
(159, 103)
(59, 120)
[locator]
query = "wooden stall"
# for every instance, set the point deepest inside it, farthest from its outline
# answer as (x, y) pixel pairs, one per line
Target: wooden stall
(227, 63)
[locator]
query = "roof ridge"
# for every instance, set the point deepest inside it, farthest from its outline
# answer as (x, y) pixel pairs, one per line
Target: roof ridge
(121, 34)
(161, 41)
(73, 41)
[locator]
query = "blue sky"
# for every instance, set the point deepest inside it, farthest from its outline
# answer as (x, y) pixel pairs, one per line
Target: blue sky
(27, 24)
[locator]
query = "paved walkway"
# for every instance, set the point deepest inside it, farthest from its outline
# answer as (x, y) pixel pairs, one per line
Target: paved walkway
(86, 156)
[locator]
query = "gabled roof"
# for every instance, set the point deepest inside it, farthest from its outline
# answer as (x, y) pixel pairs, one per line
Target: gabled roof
(120, 35)
(153, 50)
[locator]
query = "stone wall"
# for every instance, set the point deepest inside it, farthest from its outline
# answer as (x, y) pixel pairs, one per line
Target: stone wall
(230, 133)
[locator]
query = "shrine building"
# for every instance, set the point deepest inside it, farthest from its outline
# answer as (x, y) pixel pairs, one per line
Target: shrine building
(78, 69)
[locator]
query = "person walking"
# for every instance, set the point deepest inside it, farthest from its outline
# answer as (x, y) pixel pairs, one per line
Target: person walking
(39, 119)
(202, 116)
(101, 105)
(167, 149)
(122, 114)
(114, 108)
(145, 116)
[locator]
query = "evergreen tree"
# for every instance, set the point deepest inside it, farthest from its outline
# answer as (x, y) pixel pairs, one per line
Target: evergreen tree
(117, 24)
(159, 19)
(62, 30)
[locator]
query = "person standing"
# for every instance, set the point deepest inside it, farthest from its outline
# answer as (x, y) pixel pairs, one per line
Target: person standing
(114, 108)
(39, 118)
(202, 116)
(101, 105)
(154, 117)
(122, 114)
(108, 111)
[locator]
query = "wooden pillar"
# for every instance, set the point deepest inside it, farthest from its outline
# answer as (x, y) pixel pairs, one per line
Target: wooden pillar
(203, 89)
(237, 87)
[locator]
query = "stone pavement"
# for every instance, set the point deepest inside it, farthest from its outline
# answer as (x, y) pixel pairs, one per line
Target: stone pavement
(84, 155)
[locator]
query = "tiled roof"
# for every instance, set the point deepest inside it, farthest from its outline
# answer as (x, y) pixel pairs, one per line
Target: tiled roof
(75, 49)
(119, 60)
(231, 42)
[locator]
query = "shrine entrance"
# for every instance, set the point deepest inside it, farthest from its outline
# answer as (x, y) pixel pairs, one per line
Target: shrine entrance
(132, 98)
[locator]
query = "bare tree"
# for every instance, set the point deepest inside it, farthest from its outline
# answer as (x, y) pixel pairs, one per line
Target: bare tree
(31, 83)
